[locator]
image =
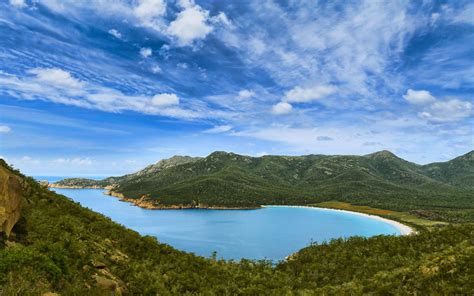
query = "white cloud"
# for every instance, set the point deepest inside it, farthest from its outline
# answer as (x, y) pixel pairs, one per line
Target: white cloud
(438, 111)
(352, 46)
(59, 86)
(191, 24)
(221, 18)
(74, 161)
(5, 129)
(18, 3)
(55, 76)
(150, 13)
(350, 139)
(464, 15)
(145, 52)
(246, 94)
(165, 100)
(115, 33)
(419, 97)
(434, 17)
(281, 108)
(447, 111)
(256, 45)
(156, 69)
(218, 129)
(305, 95)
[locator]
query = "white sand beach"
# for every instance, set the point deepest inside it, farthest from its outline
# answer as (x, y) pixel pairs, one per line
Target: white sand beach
(404, 229)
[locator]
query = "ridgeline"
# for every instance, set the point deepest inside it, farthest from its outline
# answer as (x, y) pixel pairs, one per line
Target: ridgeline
(438, 191)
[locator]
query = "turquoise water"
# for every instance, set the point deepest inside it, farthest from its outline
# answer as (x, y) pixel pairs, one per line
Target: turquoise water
(268, 233)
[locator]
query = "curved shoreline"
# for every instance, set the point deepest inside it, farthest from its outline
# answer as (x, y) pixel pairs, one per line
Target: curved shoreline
(402, 228)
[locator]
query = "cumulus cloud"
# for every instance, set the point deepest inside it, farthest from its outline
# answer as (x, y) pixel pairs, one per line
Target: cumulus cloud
(218, 129)
(5, 129)
(419, 97)
(18, 3)
(447, 111)
(305, 95)
(146, 52)
(56, 76)
(438, 111)
(165, 99)
(282, 108)
(150, 13)
(191, 24)
(246, 94)
(115, 33)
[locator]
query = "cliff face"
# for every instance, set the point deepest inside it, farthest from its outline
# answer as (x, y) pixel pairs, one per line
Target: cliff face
(11, 193)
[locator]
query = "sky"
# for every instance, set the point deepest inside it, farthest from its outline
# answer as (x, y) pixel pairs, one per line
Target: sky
(97, 88)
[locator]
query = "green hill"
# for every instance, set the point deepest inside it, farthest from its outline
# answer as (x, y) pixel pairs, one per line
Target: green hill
(380, 180)
(457, 172)
(58, 246)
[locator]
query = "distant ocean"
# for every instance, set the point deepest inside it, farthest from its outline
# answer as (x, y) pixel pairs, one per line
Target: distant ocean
(52, 179)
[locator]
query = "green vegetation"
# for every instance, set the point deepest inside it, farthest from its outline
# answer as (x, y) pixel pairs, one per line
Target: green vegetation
(405, 218)
(438, 191)
(59, 246)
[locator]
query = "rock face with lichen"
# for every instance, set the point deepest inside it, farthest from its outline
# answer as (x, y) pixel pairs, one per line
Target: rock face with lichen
(11, 193)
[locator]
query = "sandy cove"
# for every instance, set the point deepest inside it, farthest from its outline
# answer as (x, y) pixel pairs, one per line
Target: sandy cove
(404, 229)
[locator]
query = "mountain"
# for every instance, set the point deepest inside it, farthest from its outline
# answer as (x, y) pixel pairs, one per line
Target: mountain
(457, 172)
(224, 179)
(57, 246)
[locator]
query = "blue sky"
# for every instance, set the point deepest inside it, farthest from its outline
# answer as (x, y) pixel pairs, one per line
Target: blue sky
(107, 87)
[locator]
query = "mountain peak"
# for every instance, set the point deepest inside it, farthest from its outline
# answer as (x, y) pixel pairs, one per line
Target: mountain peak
(221, 153)
(167, 163)
(382, 154)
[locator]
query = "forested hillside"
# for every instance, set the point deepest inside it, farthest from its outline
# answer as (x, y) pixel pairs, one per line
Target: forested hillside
(380, 180)
(58, 246)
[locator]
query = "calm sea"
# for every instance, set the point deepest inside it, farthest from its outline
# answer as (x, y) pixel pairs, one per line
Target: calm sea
(268, 233)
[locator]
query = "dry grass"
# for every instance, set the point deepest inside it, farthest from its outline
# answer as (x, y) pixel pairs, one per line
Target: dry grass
(397, 216)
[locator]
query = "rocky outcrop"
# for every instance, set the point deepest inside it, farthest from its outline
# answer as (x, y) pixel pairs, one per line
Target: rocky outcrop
(11, 195)
(147, 202)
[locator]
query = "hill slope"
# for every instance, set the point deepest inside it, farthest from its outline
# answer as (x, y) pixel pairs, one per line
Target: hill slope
(226, 179)
(59, 246)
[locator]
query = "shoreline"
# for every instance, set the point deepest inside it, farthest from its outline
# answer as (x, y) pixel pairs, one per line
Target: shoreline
(146, 204)
(402, 228)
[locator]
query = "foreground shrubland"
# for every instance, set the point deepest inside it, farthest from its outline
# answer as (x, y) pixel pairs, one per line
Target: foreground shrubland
(58, 246)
